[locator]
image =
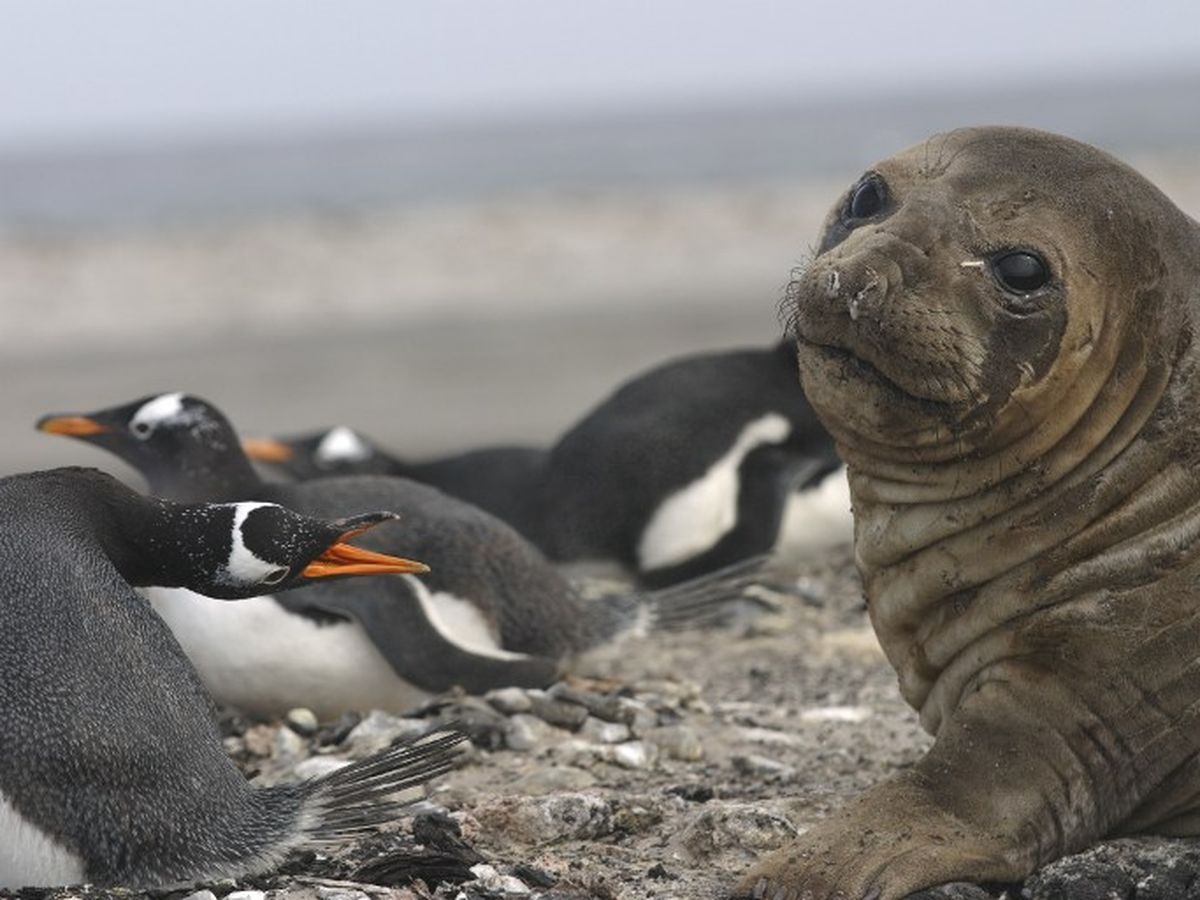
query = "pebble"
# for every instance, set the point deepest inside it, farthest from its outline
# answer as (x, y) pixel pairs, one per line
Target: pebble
(288, 746)
(637, 715)
(201, 895)
(509, 700)
(603, 706)
(491, 880)
(247, 895)
(332, 893)
(836, 714)
(630, 755)
(524, 732)
(677, 741)
(720, 826)
(602, 732)
(763, 766)
(317, 766)
(302, 721)
(566, 715)
(258, 739)
(543, 820)
(379, 730)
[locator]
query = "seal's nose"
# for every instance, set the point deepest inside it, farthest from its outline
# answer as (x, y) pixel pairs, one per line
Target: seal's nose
(855, 284)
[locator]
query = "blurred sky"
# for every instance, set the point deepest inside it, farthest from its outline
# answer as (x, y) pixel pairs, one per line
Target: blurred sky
(132, 70)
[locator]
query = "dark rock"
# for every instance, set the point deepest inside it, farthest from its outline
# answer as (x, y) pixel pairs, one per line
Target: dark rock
(693, 793)
(1129, 869)
(602, 706)
(438, 831)
(659, 872)
(335, 733)
(534, 876)
(562, 713)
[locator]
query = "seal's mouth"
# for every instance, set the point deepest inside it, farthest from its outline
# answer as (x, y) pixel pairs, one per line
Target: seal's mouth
(856, 366)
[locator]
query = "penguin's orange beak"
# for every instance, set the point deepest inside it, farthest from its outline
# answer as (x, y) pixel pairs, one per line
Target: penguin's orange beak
(346, 559)
(74, 426)
(267, 450)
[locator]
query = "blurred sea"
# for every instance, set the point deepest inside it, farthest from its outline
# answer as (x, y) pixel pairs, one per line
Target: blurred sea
(378, 167)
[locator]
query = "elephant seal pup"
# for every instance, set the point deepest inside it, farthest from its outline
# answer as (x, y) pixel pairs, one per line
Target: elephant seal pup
(999, 331)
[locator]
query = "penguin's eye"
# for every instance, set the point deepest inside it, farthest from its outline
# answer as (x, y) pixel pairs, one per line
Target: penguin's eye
(867, 200)
(141, 430)
(1020, 271)
(275, 576)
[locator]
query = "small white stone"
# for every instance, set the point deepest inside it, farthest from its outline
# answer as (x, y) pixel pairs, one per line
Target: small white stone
(632, 755)
(201, 895)
(332, 893)
(677, 741)
(318, 766)
(302, 721)
(525, 732)
(247, 895)
(605, 732)
(509, 700)
(288, 745)
(493, 882)
(762, 766)
(379, 729)
(836, 714)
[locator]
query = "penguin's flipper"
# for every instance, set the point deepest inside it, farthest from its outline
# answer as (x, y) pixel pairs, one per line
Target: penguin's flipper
(393, 613)
(704, 600)
(364, 794)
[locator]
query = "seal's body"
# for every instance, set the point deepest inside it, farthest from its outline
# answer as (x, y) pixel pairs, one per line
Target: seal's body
(112, 769)
(492, 612)
(999, 332)
(684, 469)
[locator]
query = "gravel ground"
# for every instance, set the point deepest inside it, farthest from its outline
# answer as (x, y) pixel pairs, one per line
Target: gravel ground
(661, 769)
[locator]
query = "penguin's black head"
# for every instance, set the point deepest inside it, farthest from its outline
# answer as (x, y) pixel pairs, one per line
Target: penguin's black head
(236, 550)
(333, 451)
(169, 438)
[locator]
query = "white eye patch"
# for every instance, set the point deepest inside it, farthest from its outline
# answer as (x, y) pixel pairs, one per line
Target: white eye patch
(341, 444)
(154, 412)
(243, 566)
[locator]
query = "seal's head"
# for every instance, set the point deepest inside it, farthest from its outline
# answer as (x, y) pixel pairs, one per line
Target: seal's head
(963, 287)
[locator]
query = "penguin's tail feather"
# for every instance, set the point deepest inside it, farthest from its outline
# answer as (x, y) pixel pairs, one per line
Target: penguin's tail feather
(366, 794)
(705, 600)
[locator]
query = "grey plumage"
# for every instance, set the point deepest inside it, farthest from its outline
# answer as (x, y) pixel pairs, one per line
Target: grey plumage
(108, 743)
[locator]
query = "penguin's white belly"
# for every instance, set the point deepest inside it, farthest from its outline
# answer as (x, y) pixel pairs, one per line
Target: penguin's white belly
(265, 660)
(695, 517)
(817, 519)
(31, 858)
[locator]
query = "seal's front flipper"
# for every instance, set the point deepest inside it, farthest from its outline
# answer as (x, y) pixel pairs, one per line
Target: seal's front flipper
(1000, 793)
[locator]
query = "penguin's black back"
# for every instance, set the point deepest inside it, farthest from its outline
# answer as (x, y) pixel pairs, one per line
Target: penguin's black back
(660, 431)
(108, 742)
(500, 480)
(471, 554)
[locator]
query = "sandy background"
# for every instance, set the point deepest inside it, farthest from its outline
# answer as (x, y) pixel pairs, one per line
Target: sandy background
(433, 327)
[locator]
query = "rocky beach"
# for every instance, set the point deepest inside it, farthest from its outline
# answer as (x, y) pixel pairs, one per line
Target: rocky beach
(661, 768)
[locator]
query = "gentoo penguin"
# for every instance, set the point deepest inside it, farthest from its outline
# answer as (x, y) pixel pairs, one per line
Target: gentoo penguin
(492, 611)
(112, 769)
(685, 469)
(499, 479)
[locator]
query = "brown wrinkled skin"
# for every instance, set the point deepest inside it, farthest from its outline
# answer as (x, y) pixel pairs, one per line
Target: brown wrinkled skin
(1025, 474)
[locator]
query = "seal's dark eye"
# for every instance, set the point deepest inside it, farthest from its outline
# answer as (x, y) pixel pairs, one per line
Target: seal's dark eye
(868, 199)
(1020, 271)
